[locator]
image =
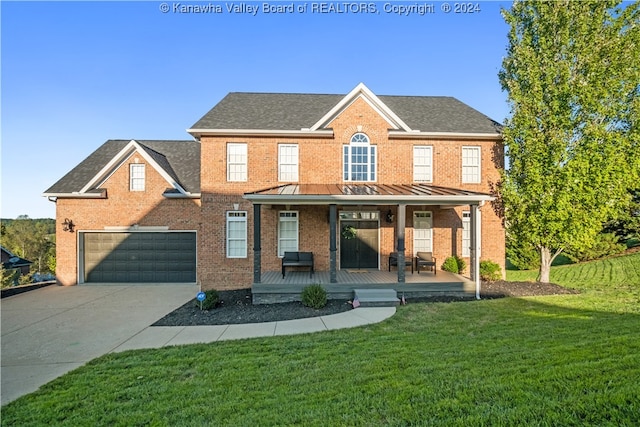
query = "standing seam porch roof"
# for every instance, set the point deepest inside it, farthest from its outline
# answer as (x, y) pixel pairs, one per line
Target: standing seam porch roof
(415, 194)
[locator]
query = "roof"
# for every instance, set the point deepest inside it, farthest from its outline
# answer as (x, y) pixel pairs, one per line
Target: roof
(178, 161)
(10, 260)
(294, 111)
(366, 193)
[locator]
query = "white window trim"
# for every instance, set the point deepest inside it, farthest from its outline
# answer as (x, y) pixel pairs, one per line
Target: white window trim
(295, 174)
(476, 177)
(239, 217)
(135, 180)
(430, 232)
(426, 176)
(353, 143)
(242, 165)
(290, 216)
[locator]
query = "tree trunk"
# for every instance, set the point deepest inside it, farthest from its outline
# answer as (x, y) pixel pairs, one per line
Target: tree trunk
(546, 259)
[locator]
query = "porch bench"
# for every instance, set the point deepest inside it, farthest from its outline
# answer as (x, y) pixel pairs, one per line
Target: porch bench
(297, 259)
(426, 259)
(393, 261)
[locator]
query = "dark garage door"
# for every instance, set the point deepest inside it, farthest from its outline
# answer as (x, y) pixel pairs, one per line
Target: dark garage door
(139, 257)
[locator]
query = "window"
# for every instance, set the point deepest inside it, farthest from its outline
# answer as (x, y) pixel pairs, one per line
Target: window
(471, 165)
(236, 162)
(287, 232)
(288, 162)
(466, 233)
(136, 177)
(237, 234)
(422, 161)
(359, 159)
(422, 232)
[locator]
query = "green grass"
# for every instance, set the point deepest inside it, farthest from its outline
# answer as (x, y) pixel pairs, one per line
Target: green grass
(538, 361)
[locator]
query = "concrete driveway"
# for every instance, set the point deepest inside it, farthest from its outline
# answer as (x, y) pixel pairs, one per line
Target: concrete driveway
(53, 330)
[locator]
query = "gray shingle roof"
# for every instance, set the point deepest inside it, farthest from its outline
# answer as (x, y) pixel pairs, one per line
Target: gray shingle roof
(180, 159)
(282, 111)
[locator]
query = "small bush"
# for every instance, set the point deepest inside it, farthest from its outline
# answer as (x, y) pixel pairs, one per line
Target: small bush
(462, 266)
(210, 301)
(450, 264)
(314, 296)
(490, 271)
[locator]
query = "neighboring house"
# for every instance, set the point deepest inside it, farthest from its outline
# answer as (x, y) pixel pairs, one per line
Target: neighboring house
(269, 173)
(12, 262)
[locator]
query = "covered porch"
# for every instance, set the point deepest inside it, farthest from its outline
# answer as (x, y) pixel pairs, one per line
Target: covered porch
(273, 288)
(270, 286)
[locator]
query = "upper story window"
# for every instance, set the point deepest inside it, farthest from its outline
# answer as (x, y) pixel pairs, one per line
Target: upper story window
(422, 163)
(236, 161)
(471, 165)
(288, 162)
(136, 177)
(359, 159)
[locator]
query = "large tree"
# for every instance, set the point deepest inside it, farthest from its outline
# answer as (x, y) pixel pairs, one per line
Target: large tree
(572, 75)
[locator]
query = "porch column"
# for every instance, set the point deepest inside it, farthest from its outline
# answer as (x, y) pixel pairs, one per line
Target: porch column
(475, 240)
(402, 213)
(333, 248)
(257, 250)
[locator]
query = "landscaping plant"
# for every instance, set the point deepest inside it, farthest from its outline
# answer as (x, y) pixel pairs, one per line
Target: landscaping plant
(314, 296)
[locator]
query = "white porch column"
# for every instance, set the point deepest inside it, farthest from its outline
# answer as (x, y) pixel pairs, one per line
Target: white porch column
(475, 243)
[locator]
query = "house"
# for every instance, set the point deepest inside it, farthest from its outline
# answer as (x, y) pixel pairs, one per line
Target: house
(351, 178)
(14, 264)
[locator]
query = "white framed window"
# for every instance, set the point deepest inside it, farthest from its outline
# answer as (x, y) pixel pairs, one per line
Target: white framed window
(422, 232)
(236, 161)
(466, 233)
(287, 232)
(471, 165)
(136, 177)
(359, 159)
(236, 234)
(288, 162)
(422, 163)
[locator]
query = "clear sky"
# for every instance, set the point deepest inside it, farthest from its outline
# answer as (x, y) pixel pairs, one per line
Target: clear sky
(75, 74)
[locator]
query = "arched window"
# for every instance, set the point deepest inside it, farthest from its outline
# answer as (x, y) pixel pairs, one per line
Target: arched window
(359, 159)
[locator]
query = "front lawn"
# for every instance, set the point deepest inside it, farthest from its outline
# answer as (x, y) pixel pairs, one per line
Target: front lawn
(553, 360)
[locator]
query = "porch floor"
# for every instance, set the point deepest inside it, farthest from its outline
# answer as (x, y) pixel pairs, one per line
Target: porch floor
(273, 288)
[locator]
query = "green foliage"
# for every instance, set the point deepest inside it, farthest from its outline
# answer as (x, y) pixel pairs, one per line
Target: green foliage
(314, 296)
(9, 277)
(572, 139)
(210, 301)
(490, 271)
(454, 264)
(604, 245)
(522, 255)
(32, 239)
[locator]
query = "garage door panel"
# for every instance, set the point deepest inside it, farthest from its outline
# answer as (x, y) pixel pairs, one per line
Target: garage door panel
(140, 257)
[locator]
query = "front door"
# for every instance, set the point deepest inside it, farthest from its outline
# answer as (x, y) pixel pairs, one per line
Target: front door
(359, 249)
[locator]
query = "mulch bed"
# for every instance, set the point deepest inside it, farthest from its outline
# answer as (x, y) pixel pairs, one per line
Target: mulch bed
(235, 307)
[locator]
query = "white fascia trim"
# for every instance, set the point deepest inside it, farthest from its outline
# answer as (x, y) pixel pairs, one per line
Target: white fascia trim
(380, 107)
(110, 168)
(76, 195)
(182, 195)
(307, 133)
(446, 135)
(357, 200)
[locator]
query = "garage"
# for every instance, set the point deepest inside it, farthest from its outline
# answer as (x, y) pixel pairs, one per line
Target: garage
(138, 257)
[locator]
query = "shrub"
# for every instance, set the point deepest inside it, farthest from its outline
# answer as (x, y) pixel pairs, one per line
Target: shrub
(211, 299)
(462, 266)
(450, 264)
(314, 296)
(490, 271)
(604, 245)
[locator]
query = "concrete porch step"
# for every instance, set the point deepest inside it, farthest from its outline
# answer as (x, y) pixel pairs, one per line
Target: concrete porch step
(376, 297)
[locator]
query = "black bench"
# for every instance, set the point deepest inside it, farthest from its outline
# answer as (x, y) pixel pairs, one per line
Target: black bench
(297, 259)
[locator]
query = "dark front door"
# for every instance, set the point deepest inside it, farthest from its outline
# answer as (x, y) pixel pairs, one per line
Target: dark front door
(362, 250)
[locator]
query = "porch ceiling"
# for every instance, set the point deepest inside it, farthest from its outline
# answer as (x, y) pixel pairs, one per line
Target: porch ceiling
(356, 194)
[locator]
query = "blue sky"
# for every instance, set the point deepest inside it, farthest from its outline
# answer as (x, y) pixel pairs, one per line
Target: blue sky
(75, 74)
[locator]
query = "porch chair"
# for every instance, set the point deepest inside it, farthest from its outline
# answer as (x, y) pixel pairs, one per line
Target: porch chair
(426, 259)
(393, 261)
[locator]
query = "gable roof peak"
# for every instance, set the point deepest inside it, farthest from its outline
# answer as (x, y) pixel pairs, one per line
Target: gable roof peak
(363, 92)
